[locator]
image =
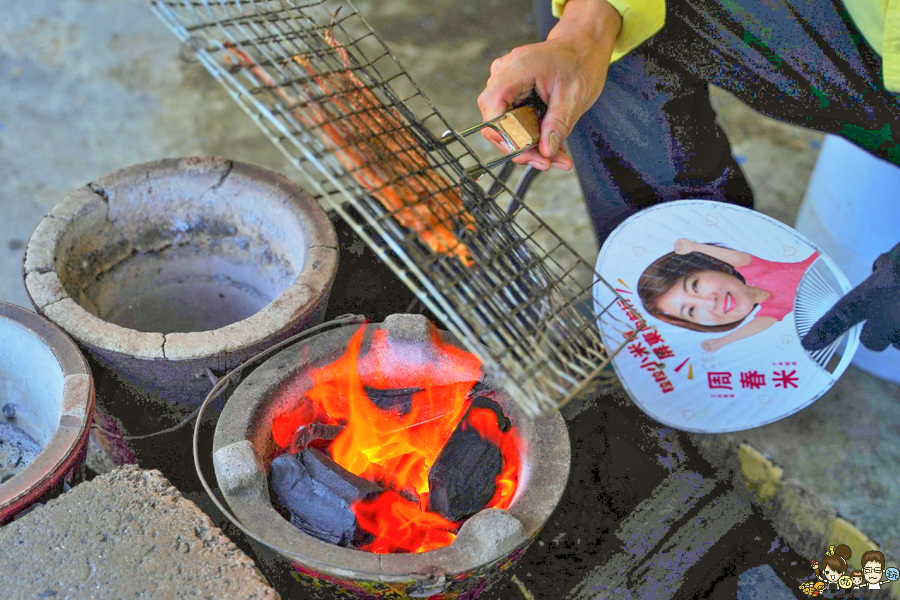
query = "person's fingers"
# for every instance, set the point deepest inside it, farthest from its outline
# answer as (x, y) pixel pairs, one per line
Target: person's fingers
(847, 312)
(533, 157)
(562, 113)
(508, 84)
(495, 138)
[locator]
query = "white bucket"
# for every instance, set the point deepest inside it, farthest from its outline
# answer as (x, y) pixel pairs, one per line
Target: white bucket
(851, 210)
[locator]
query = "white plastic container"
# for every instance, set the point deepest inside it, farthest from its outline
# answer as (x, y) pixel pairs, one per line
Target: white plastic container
(851, 210)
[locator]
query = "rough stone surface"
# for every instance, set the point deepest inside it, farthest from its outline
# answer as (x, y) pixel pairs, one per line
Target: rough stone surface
(127, 534)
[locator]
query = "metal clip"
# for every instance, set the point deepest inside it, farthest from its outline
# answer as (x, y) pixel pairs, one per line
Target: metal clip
(520, 129)
(430, 581)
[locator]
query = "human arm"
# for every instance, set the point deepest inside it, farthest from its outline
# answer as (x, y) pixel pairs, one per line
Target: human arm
(752, 328)
(732, 257)
(875, 301)
(568, 72)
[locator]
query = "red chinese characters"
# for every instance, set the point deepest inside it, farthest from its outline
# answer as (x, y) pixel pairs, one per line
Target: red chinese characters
(751, 380)
(719, 380)
(653, 343)
(785, 379)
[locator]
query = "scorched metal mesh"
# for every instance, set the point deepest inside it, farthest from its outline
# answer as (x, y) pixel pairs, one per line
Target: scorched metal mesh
(327, 91)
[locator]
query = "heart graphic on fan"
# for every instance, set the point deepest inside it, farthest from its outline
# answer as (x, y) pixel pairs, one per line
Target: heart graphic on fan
(638, 251)
(787, 339)
(711, 220)
(764, 399)
(789, 251)
(688, 414)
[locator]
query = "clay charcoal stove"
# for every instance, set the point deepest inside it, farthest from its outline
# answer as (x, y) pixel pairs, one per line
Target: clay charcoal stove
(327, 419)
(46, 407)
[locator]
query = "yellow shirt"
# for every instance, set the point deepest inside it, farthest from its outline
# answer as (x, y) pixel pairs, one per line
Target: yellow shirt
(877, 20)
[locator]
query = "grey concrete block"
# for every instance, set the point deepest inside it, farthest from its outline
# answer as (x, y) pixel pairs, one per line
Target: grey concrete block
(126, 534)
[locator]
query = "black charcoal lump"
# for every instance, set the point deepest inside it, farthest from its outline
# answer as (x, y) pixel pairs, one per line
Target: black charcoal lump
(463, 478)
(318, 493)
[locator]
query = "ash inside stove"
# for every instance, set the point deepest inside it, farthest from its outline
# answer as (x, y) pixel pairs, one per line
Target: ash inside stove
(17, 448)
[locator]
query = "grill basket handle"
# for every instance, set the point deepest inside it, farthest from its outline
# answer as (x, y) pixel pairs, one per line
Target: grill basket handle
(520, 129)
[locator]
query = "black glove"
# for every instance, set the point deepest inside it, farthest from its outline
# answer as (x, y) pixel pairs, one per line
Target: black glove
(875, 301)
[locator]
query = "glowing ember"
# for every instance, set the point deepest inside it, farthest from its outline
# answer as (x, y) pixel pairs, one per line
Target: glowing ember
(396, 449)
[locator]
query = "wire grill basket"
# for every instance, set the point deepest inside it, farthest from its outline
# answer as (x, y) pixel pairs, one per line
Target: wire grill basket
(330, 95)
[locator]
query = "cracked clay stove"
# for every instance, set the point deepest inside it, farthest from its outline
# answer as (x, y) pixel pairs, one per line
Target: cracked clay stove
(169, 271)
(404, 347)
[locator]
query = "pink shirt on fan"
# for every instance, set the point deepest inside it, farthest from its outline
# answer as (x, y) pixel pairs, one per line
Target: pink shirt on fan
(779, 279)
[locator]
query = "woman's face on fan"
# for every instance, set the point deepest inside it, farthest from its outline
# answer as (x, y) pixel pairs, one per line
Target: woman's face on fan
(707, 298)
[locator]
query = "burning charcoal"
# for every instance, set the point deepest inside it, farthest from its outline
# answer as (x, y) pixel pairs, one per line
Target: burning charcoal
(314, 508)
(9, 411)
(484, 402)
(318, 493)
(399, 400)
(307, 435)
(336, 478)
(462, 479)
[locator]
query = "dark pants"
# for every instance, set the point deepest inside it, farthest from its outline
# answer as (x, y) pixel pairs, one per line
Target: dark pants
(653, 135)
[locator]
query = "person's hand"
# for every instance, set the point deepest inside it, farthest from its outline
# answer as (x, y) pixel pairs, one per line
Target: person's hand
(875, 301)
(711, 345)
(683, 246)
(567, 71)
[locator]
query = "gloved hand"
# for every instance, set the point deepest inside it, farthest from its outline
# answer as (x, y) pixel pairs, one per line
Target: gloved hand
(875, 301)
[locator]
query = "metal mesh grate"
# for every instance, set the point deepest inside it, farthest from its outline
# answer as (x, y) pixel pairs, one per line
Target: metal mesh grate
(329, 94)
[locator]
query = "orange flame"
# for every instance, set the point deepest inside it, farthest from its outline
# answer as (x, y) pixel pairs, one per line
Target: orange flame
(399, 525)
(397, 450)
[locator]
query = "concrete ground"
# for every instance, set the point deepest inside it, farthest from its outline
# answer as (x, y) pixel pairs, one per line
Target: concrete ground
(89, 86)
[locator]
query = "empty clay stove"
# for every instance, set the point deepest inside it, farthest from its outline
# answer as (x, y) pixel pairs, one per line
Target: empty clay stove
(486, 542)
(165, 270)
(47, 397)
